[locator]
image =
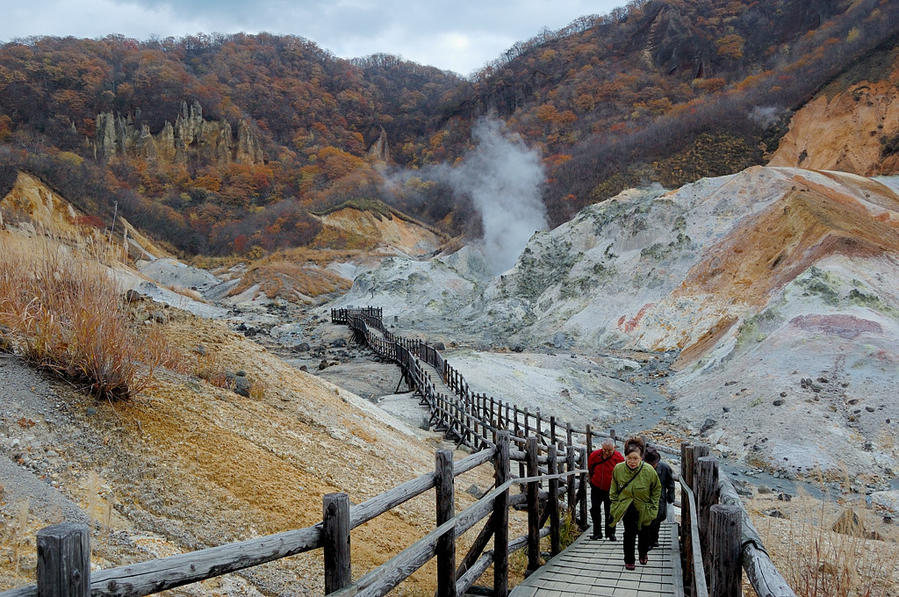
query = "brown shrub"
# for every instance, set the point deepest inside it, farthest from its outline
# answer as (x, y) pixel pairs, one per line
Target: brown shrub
(64, 313)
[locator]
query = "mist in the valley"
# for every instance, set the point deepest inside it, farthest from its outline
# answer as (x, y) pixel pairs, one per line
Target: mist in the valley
(502, 177)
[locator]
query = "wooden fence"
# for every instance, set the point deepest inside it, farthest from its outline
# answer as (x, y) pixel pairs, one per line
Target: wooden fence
(469, 418)
(551, 478)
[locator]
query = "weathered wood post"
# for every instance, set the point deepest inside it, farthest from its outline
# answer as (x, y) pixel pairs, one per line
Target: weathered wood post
(686, 536)
(502, 473)
(336, 541)
(527, 423)
(706, 474)
(589, 433)
(553, 503)
(552, 430)
(725, 570)
(446, 545)
(64, 561)
(571, 479)
(533, 507)
(582, 491)
(699, 451)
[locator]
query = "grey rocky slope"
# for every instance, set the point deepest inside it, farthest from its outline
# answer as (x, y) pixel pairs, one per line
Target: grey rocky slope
(778, 288)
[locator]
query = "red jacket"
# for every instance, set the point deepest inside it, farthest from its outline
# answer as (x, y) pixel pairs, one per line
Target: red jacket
(601, 470)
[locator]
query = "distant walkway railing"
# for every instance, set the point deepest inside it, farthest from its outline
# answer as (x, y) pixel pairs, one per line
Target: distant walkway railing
(719, 526)
(552, 478)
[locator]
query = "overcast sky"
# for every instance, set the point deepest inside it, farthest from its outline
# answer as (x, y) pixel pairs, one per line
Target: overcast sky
(459, 35)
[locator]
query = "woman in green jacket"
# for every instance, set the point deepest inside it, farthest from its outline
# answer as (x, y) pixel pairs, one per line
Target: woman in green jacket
(635, 494)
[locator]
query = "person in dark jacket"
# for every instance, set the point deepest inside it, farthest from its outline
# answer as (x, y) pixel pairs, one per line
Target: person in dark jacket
(635, 493)
(666, 478)
(601, 463)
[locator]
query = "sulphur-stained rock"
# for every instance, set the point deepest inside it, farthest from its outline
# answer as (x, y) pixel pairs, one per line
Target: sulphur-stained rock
(165, 143)
(208, 141)
(849, 523)
(380, 149)
(249, 148)
(852, 130)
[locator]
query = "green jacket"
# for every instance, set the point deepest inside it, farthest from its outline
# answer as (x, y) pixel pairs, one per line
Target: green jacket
(641, 488)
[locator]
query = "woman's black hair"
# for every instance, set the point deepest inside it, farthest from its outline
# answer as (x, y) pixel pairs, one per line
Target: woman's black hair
(634, 444)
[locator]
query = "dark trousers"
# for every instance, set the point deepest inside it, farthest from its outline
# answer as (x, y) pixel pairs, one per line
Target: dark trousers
(653, 531)
(633, 535)
(599, 501)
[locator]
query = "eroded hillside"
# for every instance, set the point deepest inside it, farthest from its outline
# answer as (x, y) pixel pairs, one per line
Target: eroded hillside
(190, 462)
(766, 280)
(852, 125)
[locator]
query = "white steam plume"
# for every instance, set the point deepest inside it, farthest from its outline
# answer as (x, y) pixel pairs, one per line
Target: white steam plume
(503, 177)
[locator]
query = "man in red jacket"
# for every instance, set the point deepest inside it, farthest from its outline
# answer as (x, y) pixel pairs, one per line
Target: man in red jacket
(600, 464)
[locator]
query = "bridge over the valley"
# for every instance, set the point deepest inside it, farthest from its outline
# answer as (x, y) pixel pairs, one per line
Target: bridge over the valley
(704, 553)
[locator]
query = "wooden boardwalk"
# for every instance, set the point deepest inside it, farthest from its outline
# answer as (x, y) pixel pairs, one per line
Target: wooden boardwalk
(596, 568)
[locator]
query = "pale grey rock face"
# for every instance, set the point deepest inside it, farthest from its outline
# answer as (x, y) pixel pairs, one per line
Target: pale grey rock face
(639, 273)
(213, 140)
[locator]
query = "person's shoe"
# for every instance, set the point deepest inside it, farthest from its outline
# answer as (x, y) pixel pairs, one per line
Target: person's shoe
(612, 538)
(630, 566)
(595, 537)
(644, 560)
(653, 546)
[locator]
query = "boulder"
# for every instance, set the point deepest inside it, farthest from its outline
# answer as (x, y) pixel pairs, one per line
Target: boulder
(886, 501)
(849, 523)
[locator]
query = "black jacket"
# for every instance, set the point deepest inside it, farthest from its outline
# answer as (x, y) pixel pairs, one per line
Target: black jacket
(667, 479)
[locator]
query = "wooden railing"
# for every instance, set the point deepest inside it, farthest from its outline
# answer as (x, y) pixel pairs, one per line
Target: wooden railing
(64, 551)
(470, 418)
(552, 480)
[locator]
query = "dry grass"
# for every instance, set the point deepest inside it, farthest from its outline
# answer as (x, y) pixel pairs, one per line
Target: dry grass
(63, 312)
(818, 562)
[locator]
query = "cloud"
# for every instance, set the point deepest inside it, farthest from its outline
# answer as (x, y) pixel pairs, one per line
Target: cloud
(452, 35)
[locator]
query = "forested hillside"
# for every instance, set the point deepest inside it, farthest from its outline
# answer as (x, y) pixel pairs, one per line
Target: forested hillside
(230, 144)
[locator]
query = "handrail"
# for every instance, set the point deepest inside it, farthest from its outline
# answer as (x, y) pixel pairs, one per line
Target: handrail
(464, 414)
(157, 575)
(763, 575)
(700, 589)
(379, 581)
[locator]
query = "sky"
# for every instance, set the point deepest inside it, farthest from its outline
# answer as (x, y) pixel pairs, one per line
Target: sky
(461, 36)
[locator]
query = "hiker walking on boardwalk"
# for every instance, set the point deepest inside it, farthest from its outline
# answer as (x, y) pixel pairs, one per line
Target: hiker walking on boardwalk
(666, 478)
(635, 493)
(601, 463)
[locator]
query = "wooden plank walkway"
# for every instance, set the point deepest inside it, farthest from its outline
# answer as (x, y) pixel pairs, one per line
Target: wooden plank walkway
(596, 568)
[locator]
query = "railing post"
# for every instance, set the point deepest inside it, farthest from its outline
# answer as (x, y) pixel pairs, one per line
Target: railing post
(553, 503)
(706, 474)
(582, 491)
(724, 566)
(336, 541)
(446, 545)
(501, 518)
(533, 508)
(64, 561)
(699, 451)
(686, 535)
(589, 433)
(571, 481)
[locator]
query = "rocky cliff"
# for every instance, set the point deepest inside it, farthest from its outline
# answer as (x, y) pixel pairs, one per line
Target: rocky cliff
(770, 280)
(209, 141)
(851, 126)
